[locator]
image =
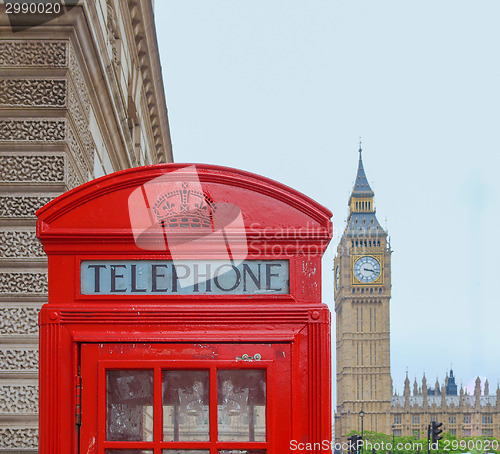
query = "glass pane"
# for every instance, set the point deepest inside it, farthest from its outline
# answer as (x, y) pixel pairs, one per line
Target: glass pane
(129, 406)
(185, 451)
(245, 451)
(185, 397)
(128, 451)
(241, 404)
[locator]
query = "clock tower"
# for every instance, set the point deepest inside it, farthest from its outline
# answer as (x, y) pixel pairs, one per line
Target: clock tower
(362, 293)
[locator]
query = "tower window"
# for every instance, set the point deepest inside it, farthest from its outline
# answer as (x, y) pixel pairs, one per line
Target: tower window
(371, 221)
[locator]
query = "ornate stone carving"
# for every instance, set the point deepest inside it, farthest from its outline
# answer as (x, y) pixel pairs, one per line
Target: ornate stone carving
(81, 123)
(18, 399)
(33, 92)
(79, 81)
(113, 34)
(18, 359)
(33, 130)
(30, 283)
(32, 168)
(15, 438)
(20, 244)
(78, 154)
(72, 178)
(22, 206)
(19, 320)
(33, 53)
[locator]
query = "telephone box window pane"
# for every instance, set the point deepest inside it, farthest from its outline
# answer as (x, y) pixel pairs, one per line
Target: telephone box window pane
(185, 399)
(241, 404)
(245, 451)
(128, 451)
(129, 406)
(185, 451)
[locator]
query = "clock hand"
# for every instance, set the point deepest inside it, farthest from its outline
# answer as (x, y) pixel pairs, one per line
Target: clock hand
(366, 269)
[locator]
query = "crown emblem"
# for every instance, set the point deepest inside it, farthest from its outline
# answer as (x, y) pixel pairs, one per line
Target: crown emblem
(184, 207)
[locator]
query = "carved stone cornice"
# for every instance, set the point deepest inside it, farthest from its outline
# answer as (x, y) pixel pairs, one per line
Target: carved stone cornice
(143, 22)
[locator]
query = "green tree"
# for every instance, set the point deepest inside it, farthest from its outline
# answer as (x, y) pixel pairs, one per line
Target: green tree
(450, 444)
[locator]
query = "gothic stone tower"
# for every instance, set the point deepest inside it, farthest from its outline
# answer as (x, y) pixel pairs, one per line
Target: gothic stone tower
(362, 294)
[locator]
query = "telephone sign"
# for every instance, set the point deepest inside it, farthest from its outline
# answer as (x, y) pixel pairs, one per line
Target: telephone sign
(184, 315)
(184, 277)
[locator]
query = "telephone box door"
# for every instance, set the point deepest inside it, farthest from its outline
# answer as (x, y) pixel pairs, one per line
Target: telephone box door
(185, 398)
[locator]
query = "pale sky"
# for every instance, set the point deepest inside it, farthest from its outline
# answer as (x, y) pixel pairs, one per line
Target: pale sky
(285, 88)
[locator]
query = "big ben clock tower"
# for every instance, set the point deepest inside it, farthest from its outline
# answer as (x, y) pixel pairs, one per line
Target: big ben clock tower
(362, 293)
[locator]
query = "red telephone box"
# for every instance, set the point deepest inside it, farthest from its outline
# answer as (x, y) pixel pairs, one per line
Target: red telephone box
(184, 315)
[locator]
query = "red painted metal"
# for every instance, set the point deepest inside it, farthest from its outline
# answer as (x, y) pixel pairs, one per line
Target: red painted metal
(92, 222)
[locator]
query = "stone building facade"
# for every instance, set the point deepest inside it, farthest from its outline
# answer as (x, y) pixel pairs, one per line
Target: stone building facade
(81, 96)
(462, 414)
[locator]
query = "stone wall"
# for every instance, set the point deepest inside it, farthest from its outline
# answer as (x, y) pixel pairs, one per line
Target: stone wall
(71, 109)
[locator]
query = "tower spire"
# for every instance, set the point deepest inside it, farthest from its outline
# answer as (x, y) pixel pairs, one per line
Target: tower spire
(362, 219)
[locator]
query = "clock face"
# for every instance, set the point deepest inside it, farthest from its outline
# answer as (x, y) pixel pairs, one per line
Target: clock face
(367, 269)
(337, 278)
